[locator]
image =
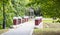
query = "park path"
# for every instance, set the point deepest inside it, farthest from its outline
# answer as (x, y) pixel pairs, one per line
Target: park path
(24, 29)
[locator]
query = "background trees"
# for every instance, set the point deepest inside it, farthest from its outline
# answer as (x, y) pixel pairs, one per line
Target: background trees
(49, 8)
(9, 9)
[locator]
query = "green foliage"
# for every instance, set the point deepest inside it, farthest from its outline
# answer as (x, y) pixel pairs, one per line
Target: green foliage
(49, 8)
(12, 8)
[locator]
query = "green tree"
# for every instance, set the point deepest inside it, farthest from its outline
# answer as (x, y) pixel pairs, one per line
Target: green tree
(9, 9)
(49, 8)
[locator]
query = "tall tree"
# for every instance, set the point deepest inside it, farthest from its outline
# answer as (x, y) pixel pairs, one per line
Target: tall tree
(4, 15)
(49, 8)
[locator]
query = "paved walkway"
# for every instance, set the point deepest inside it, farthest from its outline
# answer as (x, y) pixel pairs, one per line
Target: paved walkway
(23, 29)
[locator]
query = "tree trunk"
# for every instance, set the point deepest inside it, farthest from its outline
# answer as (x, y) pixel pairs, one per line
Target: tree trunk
(4, 15)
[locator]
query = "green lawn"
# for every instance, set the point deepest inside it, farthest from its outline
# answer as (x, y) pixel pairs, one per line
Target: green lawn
(47, 21)
(47, 31)
(51, 25)
(49, 28)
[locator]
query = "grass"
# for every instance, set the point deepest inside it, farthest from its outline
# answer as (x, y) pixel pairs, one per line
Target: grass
(47, 21)
(51, 25)
(3, 30)
(47, 31)
(49, 28)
